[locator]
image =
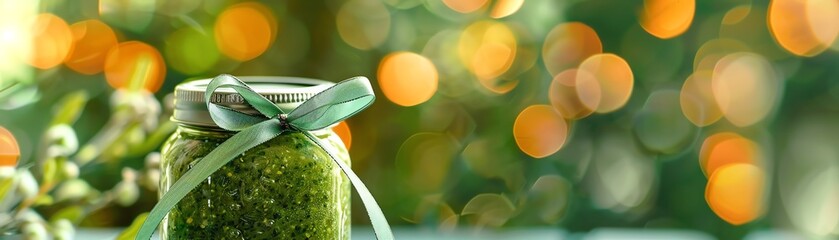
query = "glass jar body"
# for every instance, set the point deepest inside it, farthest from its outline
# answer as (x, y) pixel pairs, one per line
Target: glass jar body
(285, 188)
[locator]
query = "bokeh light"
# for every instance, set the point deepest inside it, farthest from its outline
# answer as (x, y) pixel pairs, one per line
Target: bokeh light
(135, 65)
(568, 44)
(407, 78)
(488, 49)
(557, 117)
(403, 4)
(804, 28)
(482, 158)
(736, 14)
(644, 53)
(51, 41)
(710, 143)
(9, 149)
(697, 100)
(177, 8)
(735, 192)
(424, 161)
(660, 126)
(539, 131)
(667, 18)
(343, 131)
(812, 205)
(191, 51)
(504, 8)
(808, 174)
(747, 23)
(614, 77)
(132, 15)
(564, 97)
(439, 49)
(622, 178)
(549, 196)
(92, 39)
(433, 205)
(465, 6)
(712, 51)
(245, 30)
(363, 24)
(490, 209)
(727, 148)
(745, 87)
(577, 153)
(16, 41)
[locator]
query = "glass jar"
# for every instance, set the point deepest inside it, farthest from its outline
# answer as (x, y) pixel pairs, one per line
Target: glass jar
(286, 188)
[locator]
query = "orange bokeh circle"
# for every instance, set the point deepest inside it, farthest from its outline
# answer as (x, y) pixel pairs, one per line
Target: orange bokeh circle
(9, 149)
(407, 78)
(135, 65)
(735, 193)
(667, 18)
(92, 39)
(52, 40)
(245, 30)
(539, 131)
(614, 78)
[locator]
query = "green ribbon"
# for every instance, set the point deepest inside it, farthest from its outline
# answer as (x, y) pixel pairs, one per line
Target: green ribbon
(328, 107)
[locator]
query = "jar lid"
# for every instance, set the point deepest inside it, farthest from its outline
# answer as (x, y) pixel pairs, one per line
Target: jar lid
(285, 92)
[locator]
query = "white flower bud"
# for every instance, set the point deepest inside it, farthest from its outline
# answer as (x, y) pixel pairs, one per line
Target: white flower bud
(152, 112)
(70, 170)
(126, 193)
(29, 215)
(153, 160)
(34, 231)
(169, 102)
(72, 189)
(7, 172)
(151, 179)
(27, 186)
(63, 229)
(62, 140)
(129, 174)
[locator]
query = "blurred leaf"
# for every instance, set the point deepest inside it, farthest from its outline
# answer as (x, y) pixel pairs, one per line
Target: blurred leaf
(18, 96)
(132, 230)
(5, 186)
(155, 139)
(72, 213)
(69, 108)
(50, 171)
(43, 200)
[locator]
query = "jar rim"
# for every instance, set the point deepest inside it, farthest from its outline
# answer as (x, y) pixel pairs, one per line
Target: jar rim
(285, 92)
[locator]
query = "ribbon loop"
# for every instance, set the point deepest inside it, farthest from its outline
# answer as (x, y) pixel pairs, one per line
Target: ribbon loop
(233, 120)
(334, 104)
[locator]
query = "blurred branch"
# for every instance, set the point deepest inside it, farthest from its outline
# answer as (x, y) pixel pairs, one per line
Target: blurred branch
(154, 140)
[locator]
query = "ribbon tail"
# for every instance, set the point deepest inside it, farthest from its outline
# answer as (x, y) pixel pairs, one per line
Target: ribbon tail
(377, 218)
(224, 153)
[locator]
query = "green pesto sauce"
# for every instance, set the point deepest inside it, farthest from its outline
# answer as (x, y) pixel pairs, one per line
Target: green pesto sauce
(286, 188)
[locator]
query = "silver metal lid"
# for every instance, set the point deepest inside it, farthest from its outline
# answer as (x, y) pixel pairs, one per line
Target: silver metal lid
(286, 92)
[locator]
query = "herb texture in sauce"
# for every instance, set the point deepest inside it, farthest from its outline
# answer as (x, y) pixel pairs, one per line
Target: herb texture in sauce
(286, 188)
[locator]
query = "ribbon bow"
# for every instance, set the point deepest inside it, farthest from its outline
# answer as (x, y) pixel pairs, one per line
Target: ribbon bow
(328, 107)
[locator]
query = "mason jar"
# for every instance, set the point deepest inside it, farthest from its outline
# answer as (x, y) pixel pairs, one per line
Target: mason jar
(285, 188)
